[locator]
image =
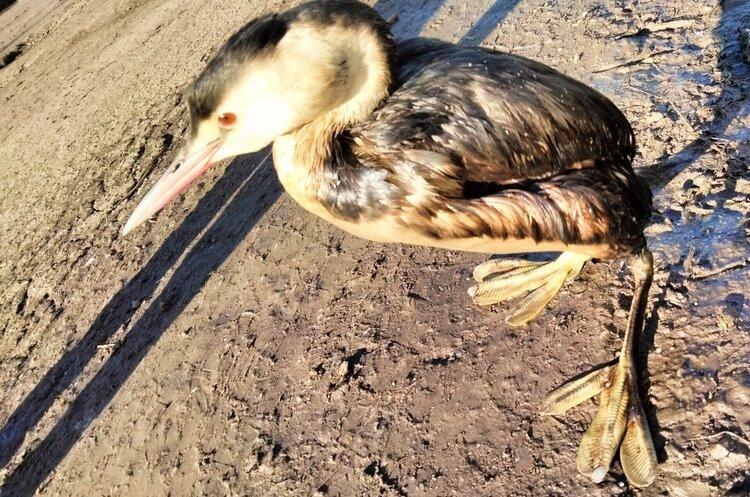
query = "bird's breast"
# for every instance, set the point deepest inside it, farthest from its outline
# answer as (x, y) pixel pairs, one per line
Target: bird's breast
(303, 185)
(294, 177)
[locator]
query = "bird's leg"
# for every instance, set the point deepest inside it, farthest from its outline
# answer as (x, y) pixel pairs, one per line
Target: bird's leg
(504, 279)
(620, 421)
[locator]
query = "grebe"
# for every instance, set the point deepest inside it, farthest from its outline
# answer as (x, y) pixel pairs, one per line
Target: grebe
(434, 144)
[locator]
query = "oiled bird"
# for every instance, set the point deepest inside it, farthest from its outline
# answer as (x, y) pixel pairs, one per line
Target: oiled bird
(429, 143)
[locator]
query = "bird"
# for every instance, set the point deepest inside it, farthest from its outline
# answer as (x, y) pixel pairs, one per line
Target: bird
(429, 143)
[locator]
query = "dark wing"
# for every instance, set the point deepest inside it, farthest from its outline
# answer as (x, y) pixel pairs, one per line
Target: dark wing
(480, 143)
(468, 119)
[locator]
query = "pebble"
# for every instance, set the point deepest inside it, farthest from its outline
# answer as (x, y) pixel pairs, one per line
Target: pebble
(719, 452)
(745, 42)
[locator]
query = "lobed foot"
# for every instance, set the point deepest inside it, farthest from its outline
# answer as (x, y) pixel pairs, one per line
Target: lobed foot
(619, 422)
(505, 279)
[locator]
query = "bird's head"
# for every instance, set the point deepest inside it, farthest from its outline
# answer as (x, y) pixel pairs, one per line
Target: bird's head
(274, 76)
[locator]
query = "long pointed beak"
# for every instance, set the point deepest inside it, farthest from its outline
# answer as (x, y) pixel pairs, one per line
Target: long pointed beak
(180, 173)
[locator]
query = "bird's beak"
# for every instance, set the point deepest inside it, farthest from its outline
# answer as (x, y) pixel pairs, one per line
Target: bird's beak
(187, 166)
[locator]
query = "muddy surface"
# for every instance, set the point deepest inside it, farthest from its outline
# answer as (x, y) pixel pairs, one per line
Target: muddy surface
(238, 346)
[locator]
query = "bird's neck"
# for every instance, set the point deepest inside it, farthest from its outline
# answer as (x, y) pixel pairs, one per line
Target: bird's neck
(368, 69)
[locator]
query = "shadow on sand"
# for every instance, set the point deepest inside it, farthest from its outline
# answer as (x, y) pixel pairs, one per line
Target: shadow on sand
(252, 191)
(227, 213)
(4, 4)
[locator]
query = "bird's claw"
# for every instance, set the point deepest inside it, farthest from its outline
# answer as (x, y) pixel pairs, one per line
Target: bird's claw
(505, 279)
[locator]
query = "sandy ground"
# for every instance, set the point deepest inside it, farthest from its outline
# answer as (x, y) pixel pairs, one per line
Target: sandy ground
(238, 346)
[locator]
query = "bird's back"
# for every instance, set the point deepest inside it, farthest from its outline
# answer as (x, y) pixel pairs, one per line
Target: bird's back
(509, 118)
(476, 144)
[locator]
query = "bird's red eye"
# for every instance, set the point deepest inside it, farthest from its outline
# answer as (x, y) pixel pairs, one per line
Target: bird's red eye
(227, 119)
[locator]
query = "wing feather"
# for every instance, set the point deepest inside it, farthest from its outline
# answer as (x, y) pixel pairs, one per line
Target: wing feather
(467, 115)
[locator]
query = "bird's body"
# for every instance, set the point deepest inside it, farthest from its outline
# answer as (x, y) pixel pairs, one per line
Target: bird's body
(481, 151)
(454, 147)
